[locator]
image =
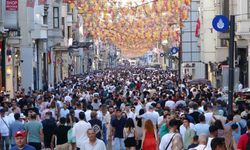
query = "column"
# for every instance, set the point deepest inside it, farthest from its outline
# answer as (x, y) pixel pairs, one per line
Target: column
(248, 59)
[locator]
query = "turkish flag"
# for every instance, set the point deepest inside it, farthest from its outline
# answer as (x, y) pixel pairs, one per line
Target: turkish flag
(42, 2)
(30, 3)
(197, 30)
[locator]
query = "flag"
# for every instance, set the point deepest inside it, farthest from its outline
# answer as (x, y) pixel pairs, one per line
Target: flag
(30, 3)
(42, 2)
(198, 25)
(49, 57)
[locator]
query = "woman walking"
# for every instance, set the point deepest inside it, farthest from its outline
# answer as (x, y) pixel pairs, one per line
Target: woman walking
(130, 135)
(149, 140)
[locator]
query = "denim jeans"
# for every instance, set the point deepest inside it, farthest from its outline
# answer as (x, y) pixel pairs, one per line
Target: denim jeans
(5, 141)
(119, 144)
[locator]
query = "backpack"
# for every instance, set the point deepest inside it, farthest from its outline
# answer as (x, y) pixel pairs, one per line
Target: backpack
(243, 130)
(248, 142)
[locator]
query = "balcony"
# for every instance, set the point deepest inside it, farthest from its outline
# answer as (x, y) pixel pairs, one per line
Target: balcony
(39, 32)
(55, 33)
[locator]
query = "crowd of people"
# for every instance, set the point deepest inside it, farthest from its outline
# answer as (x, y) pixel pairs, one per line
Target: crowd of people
(118, 109)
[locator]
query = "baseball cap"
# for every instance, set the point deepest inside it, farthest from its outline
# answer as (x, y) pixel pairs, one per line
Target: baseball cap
(20, 133)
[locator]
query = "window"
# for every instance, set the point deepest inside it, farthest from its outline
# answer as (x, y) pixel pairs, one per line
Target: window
(45, 19)
(56, 17)
(69, 32)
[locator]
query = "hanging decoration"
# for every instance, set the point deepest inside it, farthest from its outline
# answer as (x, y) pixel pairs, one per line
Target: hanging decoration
(134, 26)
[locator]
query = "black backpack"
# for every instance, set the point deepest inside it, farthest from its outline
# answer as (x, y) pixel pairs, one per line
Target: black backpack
(243, 130)
(248, 142)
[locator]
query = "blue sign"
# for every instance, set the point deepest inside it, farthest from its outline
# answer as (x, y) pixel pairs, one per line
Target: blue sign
(220, 23)
(174, 50)
(162, 54)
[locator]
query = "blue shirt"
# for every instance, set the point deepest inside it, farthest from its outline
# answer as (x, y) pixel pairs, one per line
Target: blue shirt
(202, 129)
(14, 127)
(26, 147)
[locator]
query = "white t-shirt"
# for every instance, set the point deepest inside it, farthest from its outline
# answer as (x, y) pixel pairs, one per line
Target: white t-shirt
(68, 98)
(79, 131)
(208, 117)
(4, 128)
(153, 116)
(87, 115)
(170, 104)
(208, 147)
(199, 147)
(130, 114)
(77, 111)
(137, 109)
(165, 141)
(64, 112)
(99, 145)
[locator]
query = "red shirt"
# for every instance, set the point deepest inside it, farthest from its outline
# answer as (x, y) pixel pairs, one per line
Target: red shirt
(242, 144)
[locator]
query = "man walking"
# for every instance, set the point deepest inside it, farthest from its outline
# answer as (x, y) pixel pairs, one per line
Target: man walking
(172, 140)
(79, 130)
(93, 143)
(20, 138)
(61, 135)
(34, 129)
(14, 127)
(4, 130)
(117, 130)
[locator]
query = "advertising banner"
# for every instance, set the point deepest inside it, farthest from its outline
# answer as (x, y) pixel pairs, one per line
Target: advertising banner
(11, 14)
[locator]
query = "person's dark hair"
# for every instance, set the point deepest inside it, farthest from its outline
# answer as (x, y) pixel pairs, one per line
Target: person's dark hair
(186, 118)
(230, 117)
(196, 138)
(139, 120)
(82, 116)
(234, 126)
(173, 122)
(62, 120)
(219, 141)
(202, 118)
(33, 116)
(89, 107)
(129, 124)
(248, 124)
(93, 115)
(213, 128)
(17, 116)
(195, 106)
(218, 124)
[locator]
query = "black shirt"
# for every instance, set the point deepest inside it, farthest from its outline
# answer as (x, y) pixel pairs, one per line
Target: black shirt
(49, 126)
(97, 126)
(61, 133)
(195, 115)
(118, 125)
(192, 146)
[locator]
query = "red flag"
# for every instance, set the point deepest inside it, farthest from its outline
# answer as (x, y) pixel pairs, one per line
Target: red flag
(42, 2)
(198, 25)
(30, 3)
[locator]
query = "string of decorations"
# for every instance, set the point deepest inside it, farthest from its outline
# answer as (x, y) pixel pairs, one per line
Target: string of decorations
(134, 26)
